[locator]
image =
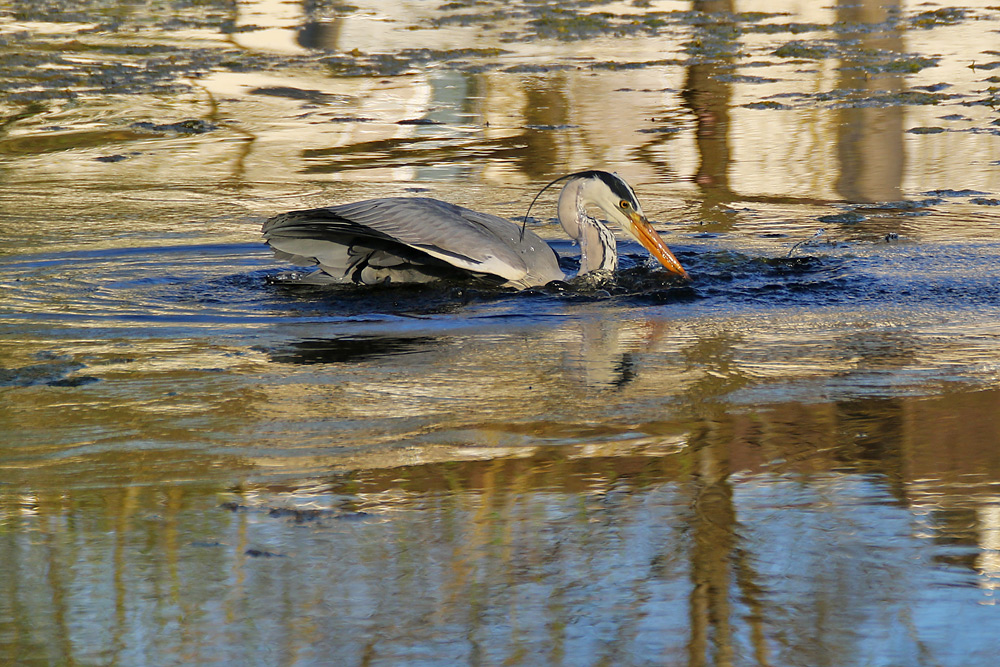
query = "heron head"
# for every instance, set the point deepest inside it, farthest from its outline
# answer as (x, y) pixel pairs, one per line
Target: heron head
(610, 193)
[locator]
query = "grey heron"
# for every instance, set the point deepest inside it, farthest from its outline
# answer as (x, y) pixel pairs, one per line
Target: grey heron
(418, 239)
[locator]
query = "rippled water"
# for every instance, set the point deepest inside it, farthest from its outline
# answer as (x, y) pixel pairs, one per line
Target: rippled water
(792, 460)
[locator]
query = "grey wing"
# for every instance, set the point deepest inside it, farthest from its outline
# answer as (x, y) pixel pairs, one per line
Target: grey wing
(411, 234)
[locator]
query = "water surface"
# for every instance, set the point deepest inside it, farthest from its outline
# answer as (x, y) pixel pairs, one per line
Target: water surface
(792, 460)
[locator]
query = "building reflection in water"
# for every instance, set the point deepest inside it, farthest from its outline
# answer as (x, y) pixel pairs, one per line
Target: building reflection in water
(869, 139)
(870, 136)
(546, 119)
(707, 95)
(781, 536)
(523, 524)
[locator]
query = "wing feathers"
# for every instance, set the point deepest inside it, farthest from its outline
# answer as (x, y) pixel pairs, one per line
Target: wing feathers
(417, 232)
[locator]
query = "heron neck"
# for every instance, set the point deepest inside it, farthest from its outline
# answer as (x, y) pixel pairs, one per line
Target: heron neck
(598, 248)
(598, 251)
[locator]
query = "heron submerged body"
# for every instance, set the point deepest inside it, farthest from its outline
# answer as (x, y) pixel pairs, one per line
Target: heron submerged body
(418, 239)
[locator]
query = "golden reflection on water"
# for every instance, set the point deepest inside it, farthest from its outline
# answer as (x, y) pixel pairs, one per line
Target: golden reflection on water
(199, 467)
(870, 141)
(544, 557)
(680, 124)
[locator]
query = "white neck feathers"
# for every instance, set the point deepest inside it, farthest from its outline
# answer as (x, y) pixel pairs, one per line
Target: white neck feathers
(598, 248)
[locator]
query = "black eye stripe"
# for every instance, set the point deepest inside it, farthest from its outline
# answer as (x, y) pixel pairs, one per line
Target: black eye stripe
(618, 186)
(621, 189)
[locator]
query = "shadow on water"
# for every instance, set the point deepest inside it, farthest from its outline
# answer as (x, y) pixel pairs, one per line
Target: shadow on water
(350, 349)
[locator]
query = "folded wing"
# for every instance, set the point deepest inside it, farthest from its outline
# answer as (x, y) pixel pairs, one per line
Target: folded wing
(409, 239)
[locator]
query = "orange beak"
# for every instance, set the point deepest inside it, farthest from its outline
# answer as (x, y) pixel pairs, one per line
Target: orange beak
(651, 241)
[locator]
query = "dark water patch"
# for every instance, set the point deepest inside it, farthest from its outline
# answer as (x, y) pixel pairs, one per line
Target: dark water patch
(262, 553)
(53, 373)
(937, 17)
(874, 278)
(413, 300)
(28, 110)
(418, 121)
(894, 63)
(768, 104)
(737, 277)
(576, 21)
(298, 515)
(292, 93)
(570, 25)
(301, 515)
(640, 286)
(348, 119)
(991, 99)
(926, 130)
(744, 78)
(811, 50)
(118, 157)
(846, 218)
(981, 130)
(446, 55)
(854, 55)
(550, 128)
(933, 88)
(905, 205)
(793, 27)
(44, 75)
(374, 65)
(616, 65)
(660, 130)
(189, 126)
(985, 201)
(536, 68)
(239, 29)
(350, 349)
(472, 18)
(938, 194)
(864, 99)
(78, 381)
(205, 544)
(357, 64)
(856, 98)
(637, 282)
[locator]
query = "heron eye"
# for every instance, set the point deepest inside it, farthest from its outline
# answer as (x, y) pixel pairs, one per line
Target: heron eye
(625, 204)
